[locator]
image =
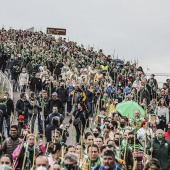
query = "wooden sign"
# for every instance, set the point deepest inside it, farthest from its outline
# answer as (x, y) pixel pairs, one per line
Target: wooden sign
(56, 31)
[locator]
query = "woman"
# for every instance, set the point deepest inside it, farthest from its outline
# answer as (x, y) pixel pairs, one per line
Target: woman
(113, 129)
(106, 132)
(55, 154)
(145, 132)
(24, 153)
(88, 139)
(153, 164)
(79, 120)
(6, 162)
(163, 114)
(70, 149)
(80, 149)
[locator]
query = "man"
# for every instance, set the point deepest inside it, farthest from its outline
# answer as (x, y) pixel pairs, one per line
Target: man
(10, 109)
(93, 159)
(55, 101)
(90, 100)
(122, 152)
(11, 142)
(70, 162)
(137, 120)
(159, 147)
(44, 103)
(14, 76)
(143, 94)
(54, 113)
(10, 64)
(54, 125)
(62, 95)
(108, 162)
(42, 163)
(36, 84)
(22, 106)
(167, 134)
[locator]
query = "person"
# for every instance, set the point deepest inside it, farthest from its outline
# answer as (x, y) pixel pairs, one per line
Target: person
(167, 134)
(70, 149)
(10, 109)
(145, 133)
(15, 72)
(34, 112)
(21, 159)
(54, 157)
(6, 162)
(79, 120)
(54, 113)
(23, 80)
(42, 163)
(122, 153)
(153, 164)
(77, 96)
(88, 139)
(70, 162)
(10, 64)
(11, 142)
(22, 106)
(108, 162)
(99, 141)
(89, 100)
(92, 159)
(62, 95)
(3, 113)
(36, 84)
(55, 101)
(159, 147)
(96, 132)
(56, 166)
(137, 120)
(22, 128)
(163, 114)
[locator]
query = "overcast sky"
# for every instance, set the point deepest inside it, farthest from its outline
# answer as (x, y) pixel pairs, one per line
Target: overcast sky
(134, 28)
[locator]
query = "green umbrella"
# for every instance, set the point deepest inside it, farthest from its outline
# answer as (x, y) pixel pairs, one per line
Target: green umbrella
(128, 108)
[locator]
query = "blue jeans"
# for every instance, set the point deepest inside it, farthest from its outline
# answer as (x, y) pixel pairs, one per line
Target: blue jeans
(74, 108)
(9, 73)
(22, 88)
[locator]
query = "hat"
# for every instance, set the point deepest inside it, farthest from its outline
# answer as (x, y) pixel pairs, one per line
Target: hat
(54, 94)
(21, 117)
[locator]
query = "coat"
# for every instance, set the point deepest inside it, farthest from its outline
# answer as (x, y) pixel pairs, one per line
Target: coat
(9, 106)
(23, 79)
(23, 106)
(161, 151)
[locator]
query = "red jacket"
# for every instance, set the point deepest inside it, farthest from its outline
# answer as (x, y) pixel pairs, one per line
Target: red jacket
(167, 135)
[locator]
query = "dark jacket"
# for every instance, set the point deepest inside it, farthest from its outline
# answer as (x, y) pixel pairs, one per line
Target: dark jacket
(36, 84)
(50, 117)
(89, 96)
(58, 68)
(56, 102)
(62, 94)
(49, 129)
(15, 73)
(23, 106)
(10, 63)
(3, 109)
(9, 106)
(10, 145)
(161, 151)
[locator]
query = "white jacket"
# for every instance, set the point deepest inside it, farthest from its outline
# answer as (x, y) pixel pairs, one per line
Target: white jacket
(23, 79)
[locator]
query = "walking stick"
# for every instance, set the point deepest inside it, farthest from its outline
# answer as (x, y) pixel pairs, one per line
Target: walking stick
(23, 164)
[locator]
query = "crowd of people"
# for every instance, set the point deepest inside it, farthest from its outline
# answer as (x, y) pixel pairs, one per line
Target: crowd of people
(67, 118)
